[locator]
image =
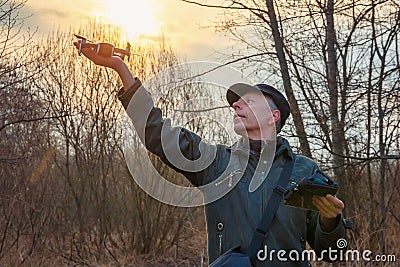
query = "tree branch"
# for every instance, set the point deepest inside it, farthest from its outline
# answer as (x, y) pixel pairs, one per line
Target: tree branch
(30, 120)
(225, 7)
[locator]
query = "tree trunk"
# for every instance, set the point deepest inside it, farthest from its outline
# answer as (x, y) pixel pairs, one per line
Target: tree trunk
(382, 167)
(337, 126)
(279, 47)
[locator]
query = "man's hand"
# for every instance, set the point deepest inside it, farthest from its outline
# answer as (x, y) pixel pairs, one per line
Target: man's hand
(114, 62)
(329, 208)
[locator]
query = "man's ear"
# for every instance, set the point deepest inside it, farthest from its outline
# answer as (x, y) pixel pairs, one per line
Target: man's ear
(276, 114)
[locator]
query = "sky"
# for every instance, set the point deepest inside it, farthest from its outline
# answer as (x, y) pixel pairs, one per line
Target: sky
(183, 25)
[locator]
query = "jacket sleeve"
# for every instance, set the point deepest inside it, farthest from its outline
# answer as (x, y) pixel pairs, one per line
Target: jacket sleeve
(179, 148)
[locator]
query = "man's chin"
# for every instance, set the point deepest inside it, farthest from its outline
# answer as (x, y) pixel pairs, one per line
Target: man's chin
(240, 131)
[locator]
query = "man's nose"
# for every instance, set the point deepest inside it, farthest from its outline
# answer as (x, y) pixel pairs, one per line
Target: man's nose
(237, 105)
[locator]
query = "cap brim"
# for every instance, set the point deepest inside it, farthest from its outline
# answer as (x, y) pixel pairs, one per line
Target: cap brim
(237, 90)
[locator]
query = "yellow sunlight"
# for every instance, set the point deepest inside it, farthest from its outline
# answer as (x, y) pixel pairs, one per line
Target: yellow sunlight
(136, 17)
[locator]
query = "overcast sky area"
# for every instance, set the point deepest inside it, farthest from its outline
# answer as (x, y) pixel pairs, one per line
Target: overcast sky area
(182, 24)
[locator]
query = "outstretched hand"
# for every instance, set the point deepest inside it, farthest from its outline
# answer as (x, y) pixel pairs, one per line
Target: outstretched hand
(329, 208)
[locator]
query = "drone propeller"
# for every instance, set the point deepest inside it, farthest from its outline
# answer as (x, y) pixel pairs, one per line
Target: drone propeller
(124, 52)
(79, 37)
(82, 42)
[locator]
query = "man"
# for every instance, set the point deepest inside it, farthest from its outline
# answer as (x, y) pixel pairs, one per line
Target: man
(260, 111)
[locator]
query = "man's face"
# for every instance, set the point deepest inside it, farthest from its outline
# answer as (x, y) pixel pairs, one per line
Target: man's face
(253, 117)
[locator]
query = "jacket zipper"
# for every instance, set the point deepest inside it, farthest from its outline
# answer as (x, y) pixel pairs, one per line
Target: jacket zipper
(219, 244)
(229, 177)
(263, 200)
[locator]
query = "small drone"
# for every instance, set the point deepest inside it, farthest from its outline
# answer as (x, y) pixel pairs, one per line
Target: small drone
(104, 49)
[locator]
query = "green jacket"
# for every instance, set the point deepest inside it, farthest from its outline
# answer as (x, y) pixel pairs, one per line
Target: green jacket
(232, 219)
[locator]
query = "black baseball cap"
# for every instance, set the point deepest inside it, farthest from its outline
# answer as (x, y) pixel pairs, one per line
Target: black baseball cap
(239, 89)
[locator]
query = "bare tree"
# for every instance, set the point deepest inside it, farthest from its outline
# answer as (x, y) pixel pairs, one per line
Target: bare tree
(24, 154)
(105, 213)
(19, 64)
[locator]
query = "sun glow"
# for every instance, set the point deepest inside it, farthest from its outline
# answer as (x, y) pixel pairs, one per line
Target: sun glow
(135, 17)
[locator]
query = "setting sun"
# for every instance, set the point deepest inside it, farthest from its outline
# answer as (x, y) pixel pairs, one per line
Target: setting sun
(135, 17)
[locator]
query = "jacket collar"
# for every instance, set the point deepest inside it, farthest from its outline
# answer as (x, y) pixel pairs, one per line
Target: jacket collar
(282, 146)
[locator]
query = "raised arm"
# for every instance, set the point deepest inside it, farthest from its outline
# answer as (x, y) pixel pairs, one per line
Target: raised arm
(178, 147)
